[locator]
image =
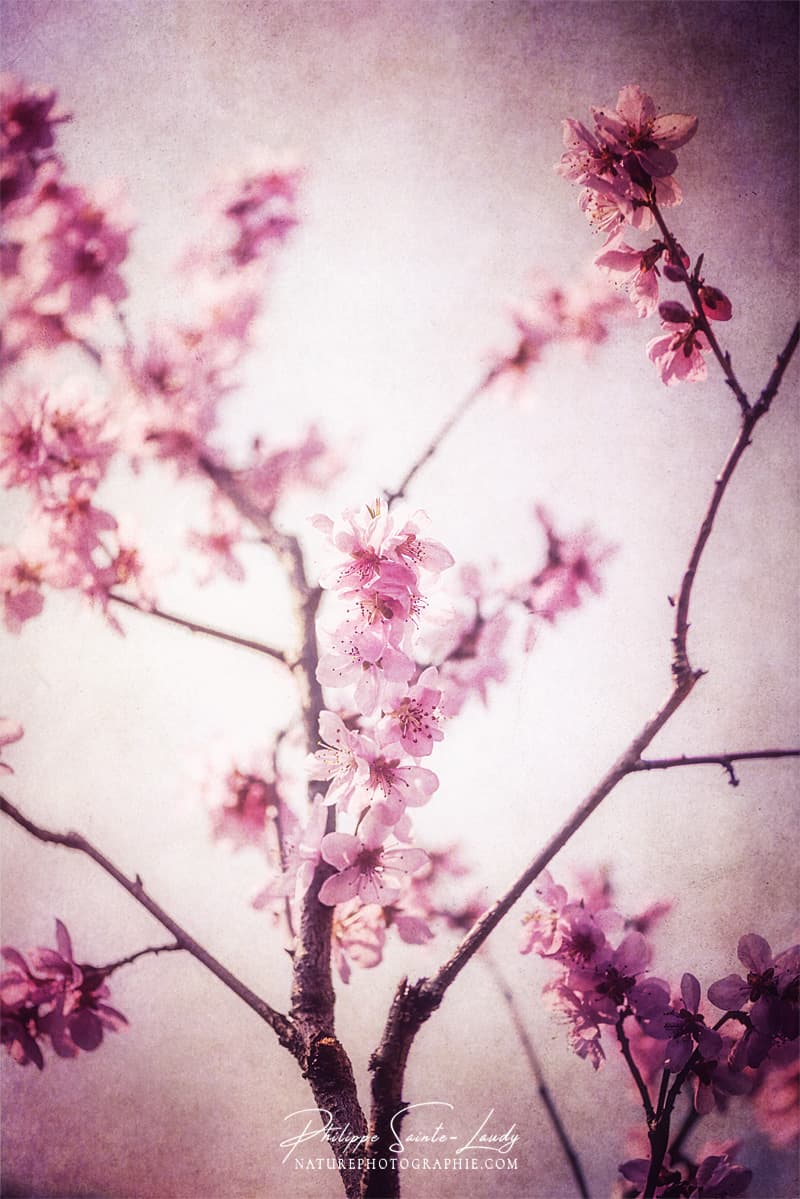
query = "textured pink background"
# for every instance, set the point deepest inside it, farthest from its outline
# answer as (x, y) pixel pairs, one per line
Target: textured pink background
(429, 130)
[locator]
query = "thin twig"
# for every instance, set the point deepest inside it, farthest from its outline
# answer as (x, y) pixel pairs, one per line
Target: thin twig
(455, 416)
(546, 1097)
(726, 761)
(625, 1046)
(282, 1026)
(133, 957)
(195, 627)
(680, 661)
(702, 320)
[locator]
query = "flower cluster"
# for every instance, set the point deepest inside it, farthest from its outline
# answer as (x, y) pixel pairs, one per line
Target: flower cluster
(716, 1176)
(580, 314)
(52, 997)
(62, 247)
(374, 770)
(626, 161)
(750, 1050)
(625, 167)
(57, 444)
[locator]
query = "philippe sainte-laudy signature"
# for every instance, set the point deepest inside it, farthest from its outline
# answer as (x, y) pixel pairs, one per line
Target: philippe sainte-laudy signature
(488, 1136)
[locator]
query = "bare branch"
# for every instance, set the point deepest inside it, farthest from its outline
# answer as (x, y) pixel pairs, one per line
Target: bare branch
(133, 957)
(460, 411)
(569, 1149)
(194, 627)
(781, 363)
(282, 1026)
(726, 761)
(625, 1047)
(680, 660)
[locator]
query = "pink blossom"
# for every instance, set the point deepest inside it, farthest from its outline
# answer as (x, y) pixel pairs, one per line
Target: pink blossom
(10, 732)
(719, 1178)
(73, 251)
(310, 463)
(258, 202)
(366, 870)
(341, 760)
(54, 997)
(252, 804)
(475, 661)
(634, 130)
(414, 722)
(678, 354)
(358, 936)
(572, 567)
(23, 452)
(21, 582)
(771, 986)
(218, 543)
(685, 1029)
(391, 784)
(27, 118)
(363, 657)
(637, 269)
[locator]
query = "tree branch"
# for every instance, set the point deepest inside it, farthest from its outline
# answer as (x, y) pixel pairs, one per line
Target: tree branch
(194, 627)
(570, 1152)
(281, 1025)
(413, 1004)
(693, 286)
(133, 957)
(625, 1047)
(323, 1059)
(724, 760)
(680, 661)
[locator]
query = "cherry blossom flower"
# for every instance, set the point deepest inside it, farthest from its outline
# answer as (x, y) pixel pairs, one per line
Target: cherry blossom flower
(10, 732)
(54, 997)
(358, 936)
(685, 1029)
(637, 269)
(414, 722)
(341, 760)
(572, 567)
(252, 804)
(717, 1177)
(27, 117)
(716, 304)
(634, 130)
(73, 250)
(771, 986)
(258, 202)
(363, 657)
(678, 354)
(366, 870)
(21, 580)
(217, 544)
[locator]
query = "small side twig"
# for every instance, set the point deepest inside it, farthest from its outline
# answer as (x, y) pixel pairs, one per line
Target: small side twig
(194, 626)
(726, 761)
(545, 1095)
(134, 957)
(281, 1025)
